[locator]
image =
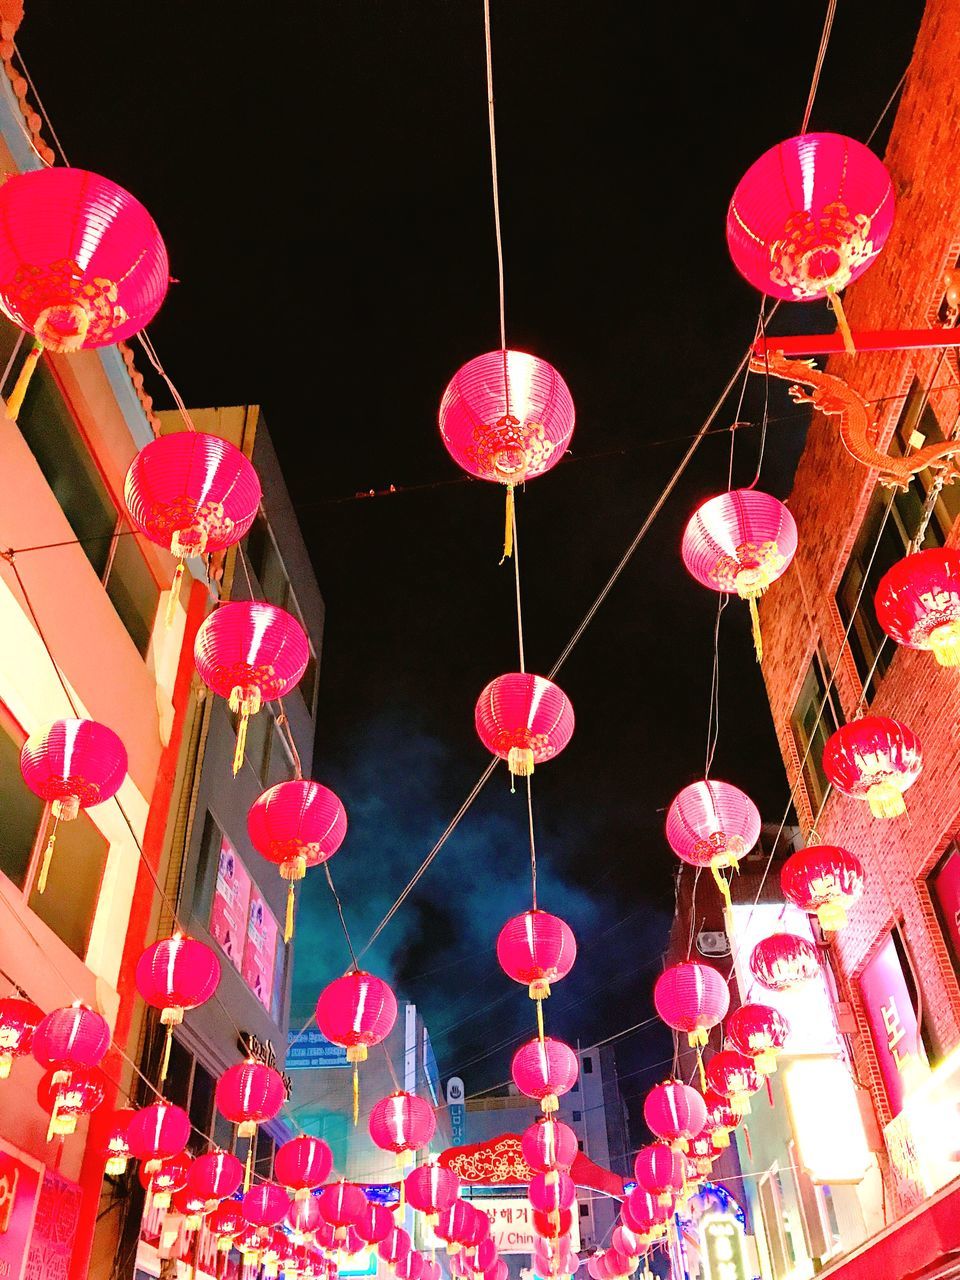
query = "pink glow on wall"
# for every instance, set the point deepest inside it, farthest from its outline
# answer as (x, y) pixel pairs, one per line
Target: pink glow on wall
(893, 1025)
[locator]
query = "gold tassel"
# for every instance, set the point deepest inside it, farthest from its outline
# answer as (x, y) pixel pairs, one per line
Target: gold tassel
(52, 1126)
(174, 598)
(508, 526)
(700, 1067)
(721, 883)
(836, 306)
(755, 626)
(47, 857)
(15, 398)
(165, 1060)
(539, 1004)
(288, 921)
(248, 1167)
(356, 1094)
(241, 740)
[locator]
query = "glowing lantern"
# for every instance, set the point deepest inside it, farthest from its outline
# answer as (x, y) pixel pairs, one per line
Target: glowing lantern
(551, 1192)
(741, 541)
(549, 1144)
(734, 1076)
(302, 1164)
(691, 997)
(75, 1036)
(551, 1226)
(478, 1226)
(19, 1019)
(114, 1147)
(72, 765)
(265, 1204)
(453, 1225)
(402, 1123)
(174, 975)
(248, 1094)
(171, 1176)
(82, 263)
(524, 719)
(713, 824)
(507, 417)
(190, 1205)
(304, 1217)
(824, 880)
(356, 1012)
(626, 1241)
(250, 652)
(499, 1271)
(157, 1133)
(215, 1176)
(297, 825)
(659, 1169)
(375, 1223)
(674, 1112)
(484, 1255)
(759, 1031)
(431, 1270)
(643, 1213)
(918, 603)
(342, 1205)
(431, 1189)
(703, 1152)
(721, 1118)
(808, 217)
(545, 1069)
(394, 1246)
(69, 1093)
(874, 759)
(784, 961)
(409, 1267)
(225, 1222)
(537, 949)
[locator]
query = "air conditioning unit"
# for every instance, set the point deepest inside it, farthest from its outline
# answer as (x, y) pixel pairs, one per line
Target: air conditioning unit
(713, 943)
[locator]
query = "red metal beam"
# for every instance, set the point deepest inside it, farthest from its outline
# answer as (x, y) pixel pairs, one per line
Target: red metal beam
(864, 340)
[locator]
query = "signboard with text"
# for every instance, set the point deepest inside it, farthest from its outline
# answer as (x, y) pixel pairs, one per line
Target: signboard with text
(723, 1254)
(231, 902)
(260, 949)
(893, 1025)
(511, 1223)
(311, 1051)
(19, 1185)
(456, 1109)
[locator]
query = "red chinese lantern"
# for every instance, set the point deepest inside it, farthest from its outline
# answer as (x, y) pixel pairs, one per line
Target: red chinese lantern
(703, 1152)
(537, 949)
(402, 1123)
(760, 1032)
(484, 1255)
(918, 603)
(409, 1267)
(659, 1169)
(478, 1226)
(721, 1118)
(642, 1212)
(809, 217)
(72, 765)
(499, 1271)
(157, 1133)
(352, 1242)
(19, 1019)
(302, 1164)
(250, 652)
(741, 542)
(72, 1036)
(249, 1244)
(784, 961)
(174, 975)
(507, 417)
(190, 1205)
(874, 759)
(375, 1223)
(172, 1175)
(545, 1069)
(114, 1146)
(431, 1189)
(215, 1176)
(524, 719)
(734, 1076)
(691, 997)
(265, 1204)
(192, 493)
(454, 1224)
(674, 1112)
(549, 1144)
(297, 825)
(551, 1192)
(394, 1246)
(356, 1012)
(615, 1265)
(431, 1270)
(82, 263)
(713, 824)
(248, 1094)
(551, 1226)
(626, 1241)
(225, 1222)
(304, 1217)
(342, 1205)
(824, 880)
(68, 1093)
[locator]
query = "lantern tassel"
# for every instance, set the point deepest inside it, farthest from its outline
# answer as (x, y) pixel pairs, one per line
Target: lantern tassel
(15, 399)
(165, 1060)
(700, 1068)
(755, 628)
(174, 598)
(721, 880)
(539, 1004)
(241, 740)
(356, 1094)
(48, 855)
(508, 526)
(288, 921)
(836, 306)
(248, 1167)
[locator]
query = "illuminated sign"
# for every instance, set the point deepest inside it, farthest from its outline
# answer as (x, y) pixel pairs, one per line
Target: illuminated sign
(723, 1256)
(231, 902)
(310, 1050)
(924, 1139)
(826, 1120)
(456, 1110)
(511, 1224)
(893, 1025)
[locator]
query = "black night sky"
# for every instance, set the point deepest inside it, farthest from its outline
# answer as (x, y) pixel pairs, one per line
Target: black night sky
(321, 175)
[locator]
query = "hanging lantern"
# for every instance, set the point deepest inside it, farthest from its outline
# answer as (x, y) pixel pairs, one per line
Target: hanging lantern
(297, 825)
(402, 1123)
(225, 1222)
(157, 1133)
(551, 1226)
(659, 1169)
(721, 1119)
(536, 949)
(264, 1205)
(524, 720)
(302, 1164)
(484, 1255)
(114, 1146)
(250, 652)
(409, 1267)
(691, 997)
(551, 1192)
(784, 961)
(545, 1069)
(549, 1144)
(734, 1076)
(215, 1176)
(675, 1113)
(703, 1152)
(249, 1244)
(74, 1036)
(740, 542)
(506, 417)
(453, 1225)
(161, 1183)
(760, 1032)
(82, 263)
(918, 603)
(352, 1242)
(394, 1246)
(356, 1012)
(19, 1019)
(375, 1223)
(809, 217)
(874, 759)
(499, 1271)
(626, 1241)
(174, 975)
(304, 1217)
(431, 1270)
(248, 1094)
(192, 493)
(72, 765)
(342, 1205)
(478, 1226)
(824, 880)
(67, 1093)
(713, 824)
(616, 1266)
(190, 1206)
(643, 1212)
(431, 1189)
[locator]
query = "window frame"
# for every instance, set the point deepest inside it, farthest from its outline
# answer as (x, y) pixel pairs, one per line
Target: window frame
(812, 775)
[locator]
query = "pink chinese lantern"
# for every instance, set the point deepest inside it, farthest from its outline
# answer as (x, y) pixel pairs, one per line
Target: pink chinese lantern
(551, 1226)
(72, 1036)
(674, 1112)
(551, 1192)
(431, 1270)
(394, 1246)
(172, 1175)
(174, 975)
(824, 880)
(356, 1012)
(809, 217)
(784, 961)
(545, 1069)
(741, 542)
(325, 1234)
(454, 1224)
(759, 1031)
(352, 1242)
(484, 1255)
(713, 824)
(691, 997)
(499, 1271)
(734, 1076)
(19, 1019)
(248, 1094)
(409, 1267)
(431, 1189)
(918, 603)
(190, 1206)
(304, 1217)
(342, 1205)
(375, 1223)
(297, 825)
(721, 1118)
(72, 765)
(549, 1144)
(507, 417)
(536, 949)
(265, 1204)
(250, 652)
(402, 1123)
(626, 1241)
(874, 759)
(703, 1152)
(215, 1176)
(616, 1265)
(225, 1222)
(68, 1093)
(157, 1133)
(524, 719)
(82, 263)
(302, 1164)
(192, 493)
(478, 1227)
(114, 1146)
(249, 1244)
(660, 1170)
(642, 1212)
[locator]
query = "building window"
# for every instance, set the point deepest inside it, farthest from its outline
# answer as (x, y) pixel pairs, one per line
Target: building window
(918, 415)
(821, 1232)
(577, 1116)
(811, 729)
(265, 561)
(588, 1066)
(575, 1087)
(890, 1003)
(579, 1144)
(584, 1210)
(944, 886)
(778, 1241)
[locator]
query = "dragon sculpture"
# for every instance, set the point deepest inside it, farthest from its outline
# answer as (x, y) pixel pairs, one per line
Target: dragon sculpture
(858, 427)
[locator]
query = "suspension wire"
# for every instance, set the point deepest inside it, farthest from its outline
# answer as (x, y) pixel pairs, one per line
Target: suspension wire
(491, 119)
(533, 844)
(818, 65)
